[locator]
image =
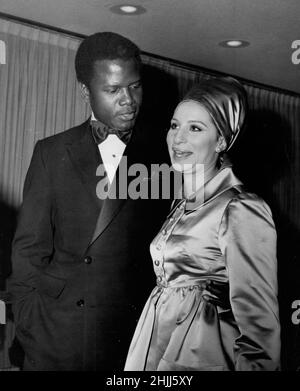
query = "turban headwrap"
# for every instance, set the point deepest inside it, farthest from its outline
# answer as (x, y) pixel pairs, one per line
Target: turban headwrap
(226, 101)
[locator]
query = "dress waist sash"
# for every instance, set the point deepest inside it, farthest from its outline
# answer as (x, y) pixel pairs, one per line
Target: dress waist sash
(213, 291)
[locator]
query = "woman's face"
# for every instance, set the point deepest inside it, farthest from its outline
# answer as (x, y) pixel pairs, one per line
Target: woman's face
(192, 138)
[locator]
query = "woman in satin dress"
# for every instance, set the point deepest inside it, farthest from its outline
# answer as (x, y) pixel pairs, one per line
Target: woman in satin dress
(214, 307)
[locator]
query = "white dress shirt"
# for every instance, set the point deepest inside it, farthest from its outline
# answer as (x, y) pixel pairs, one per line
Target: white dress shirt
(111, 151)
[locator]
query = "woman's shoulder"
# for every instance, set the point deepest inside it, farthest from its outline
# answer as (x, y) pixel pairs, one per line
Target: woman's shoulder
(244, 203)
(247, 222)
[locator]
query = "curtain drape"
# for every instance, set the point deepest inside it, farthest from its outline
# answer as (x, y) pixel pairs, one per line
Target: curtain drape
(40, 97)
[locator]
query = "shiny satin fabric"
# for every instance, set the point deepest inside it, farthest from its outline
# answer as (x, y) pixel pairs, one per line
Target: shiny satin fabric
(226, 101)
(228, 238)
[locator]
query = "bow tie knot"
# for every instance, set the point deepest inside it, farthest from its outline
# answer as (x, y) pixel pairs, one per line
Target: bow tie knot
(101, 132)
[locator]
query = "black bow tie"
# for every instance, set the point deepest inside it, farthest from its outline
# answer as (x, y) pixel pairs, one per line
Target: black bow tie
(101, 132)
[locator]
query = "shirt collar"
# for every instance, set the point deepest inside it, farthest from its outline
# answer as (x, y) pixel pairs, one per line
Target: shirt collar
(222, 181)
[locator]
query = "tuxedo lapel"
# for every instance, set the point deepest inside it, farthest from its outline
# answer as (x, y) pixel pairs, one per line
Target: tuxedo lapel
(110, 209)
(86, 158)
(112, 206)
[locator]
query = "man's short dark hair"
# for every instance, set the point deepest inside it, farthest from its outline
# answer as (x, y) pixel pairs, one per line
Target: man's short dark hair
(103, 46)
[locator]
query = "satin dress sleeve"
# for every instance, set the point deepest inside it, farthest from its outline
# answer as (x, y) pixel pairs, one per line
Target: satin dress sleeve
(247, 239)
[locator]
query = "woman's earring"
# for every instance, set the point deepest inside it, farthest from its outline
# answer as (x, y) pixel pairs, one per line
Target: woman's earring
(222, 145)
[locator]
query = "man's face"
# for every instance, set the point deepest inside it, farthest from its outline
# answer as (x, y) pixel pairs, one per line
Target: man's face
(115, 92)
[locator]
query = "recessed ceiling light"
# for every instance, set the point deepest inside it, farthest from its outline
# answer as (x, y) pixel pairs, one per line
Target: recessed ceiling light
(234, 43)
(127, 9)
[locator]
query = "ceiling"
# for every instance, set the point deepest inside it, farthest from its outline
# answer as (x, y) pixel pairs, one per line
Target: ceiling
(189, 31)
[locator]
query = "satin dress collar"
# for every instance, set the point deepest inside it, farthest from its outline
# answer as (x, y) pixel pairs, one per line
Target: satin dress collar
(218, 184)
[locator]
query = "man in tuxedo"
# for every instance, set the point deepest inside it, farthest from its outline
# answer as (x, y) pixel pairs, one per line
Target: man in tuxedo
(81, 267)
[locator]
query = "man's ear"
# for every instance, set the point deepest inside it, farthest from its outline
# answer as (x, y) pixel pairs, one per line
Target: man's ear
(85, 93)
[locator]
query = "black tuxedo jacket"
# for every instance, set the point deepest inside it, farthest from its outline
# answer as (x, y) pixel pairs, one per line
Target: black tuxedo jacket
(79, 281)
